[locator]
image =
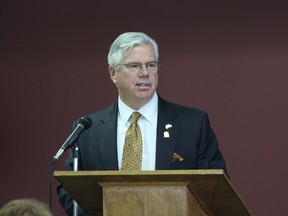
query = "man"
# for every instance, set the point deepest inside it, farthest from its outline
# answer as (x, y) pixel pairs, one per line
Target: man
(172, 136)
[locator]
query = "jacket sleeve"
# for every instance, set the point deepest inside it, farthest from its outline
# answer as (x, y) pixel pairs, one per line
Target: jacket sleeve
(209, 156)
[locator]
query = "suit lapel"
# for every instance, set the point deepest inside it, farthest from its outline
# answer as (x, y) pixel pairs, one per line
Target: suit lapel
(167, 132)
(107, 135)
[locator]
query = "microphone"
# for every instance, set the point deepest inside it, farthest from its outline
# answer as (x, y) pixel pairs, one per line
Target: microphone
(83, 124)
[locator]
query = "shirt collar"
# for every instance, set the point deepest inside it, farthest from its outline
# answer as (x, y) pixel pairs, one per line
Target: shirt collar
(149, 111)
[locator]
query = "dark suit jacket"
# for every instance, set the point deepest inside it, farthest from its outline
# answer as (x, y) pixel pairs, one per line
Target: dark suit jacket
(190, 136)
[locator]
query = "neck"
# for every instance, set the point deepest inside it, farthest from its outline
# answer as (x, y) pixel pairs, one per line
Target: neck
(136, 104)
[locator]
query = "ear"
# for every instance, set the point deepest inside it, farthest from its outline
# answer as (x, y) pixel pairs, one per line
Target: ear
(112, 73)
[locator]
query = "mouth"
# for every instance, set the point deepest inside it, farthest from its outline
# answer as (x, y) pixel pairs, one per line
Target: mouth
(143, 84)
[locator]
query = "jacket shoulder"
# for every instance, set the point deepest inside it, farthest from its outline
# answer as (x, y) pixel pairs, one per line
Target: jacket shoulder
(181, 109)
(103, 114)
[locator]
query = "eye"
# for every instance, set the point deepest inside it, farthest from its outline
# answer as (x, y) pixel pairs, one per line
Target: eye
(133, 65)
(151, 65)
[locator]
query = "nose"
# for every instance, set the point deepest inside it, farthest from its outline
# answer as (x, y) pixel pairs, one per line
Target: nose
(143, 70)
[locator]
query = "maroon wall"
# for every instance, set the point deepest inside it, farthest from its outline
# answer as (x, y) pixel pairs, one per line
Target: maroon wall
(226, 57)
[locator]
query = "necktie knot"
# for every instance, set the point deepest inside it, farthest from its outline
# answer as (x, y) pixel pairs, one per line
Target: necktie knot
(135, 117)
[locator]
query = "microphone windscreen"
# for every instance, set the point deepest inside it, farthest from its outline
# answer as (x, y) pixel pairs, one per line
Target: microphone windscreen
(85, 121)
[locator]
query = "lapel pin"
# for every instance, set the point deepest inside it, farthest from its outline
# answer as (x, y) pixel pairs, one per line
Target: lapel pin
(167, 126)
(166, 134)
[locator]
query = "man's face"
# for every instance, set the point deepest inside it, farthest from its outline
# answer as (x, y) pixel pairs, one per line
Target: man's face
(136, 88)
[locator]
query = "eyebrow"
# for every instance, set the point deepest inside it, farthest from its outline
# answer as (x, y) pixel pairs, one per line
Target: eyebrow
(141, 63)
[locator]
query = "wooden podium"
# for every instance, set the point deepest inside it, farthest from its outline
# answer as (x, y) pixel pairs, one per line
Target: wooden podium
(149, 193)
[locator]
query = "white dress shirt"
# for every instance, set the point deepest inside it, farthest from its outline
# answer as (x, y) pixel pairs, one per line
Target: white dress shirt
(148, 125)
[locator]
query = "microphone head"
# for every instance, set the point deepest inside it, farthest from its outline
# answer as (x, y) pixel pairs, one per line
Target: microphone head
(85, 121)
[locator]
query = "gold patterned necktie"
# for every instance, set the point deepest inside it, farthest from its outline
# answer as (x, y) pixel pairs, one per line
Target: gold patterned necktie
(132, 152)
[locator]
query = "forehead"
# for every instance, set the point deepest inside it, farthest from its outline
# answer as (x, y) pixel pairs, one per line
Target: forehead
(139, 53)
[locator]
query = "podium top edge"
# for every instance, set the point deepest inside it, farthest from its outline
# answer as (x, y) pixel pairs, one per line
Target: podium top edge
(144, 173)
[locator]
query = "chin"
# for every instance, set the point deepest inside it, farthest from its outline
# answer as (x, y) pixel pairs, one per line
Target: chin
(144, 95)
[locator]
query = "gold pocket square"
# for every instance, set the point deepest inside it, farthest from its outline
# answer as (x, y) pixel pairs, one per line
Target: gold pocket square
(177, 158)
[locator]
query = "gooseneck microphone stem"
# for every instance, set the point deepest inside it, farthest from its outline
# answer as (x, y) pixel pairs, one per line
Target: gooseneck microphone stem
(76, 156)
(75, 168)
